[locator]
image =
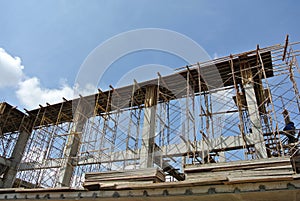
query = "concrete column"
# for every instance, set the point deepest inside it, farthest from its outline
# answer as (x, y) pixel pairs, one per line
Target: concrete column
(148, 134)
(16, 157)
(255, 120)
(71, 148)
(257, 134)
(222, 157)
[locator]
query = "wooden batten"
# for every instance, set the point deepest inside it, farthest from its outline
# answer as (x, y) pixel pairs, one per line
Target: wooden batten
(110, 179)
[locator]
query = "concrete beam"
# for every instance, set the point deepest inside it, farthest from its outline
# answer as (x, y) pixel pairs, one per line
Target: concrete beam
(174, 150)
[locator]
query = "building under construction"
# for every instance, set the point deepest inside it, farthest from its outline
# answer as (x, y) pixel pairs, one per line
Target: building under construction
(225, 129)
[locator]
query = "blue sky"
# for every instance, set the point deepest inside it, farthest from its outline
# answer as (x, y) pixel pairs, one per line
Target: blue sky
(44, 43)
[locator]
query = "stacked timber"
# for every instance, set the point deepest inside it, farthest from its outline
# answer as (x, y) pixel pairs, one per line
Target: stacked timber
(244, 171)
(97, 180)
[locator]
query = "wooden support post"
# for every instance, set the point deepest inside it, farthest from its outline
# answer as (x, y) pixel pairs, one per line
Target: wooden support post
(148, 135)
(286, 116)
(285, 47)
(239, 104)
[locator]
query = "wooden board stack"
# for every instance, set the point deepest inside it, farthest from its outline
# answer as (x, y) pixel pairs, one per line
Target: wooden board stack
(244, 171)
(97, 180)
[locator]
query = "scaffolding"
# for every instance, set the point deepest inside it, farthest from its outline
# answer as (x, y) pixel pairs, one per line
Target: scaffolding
(170, 122)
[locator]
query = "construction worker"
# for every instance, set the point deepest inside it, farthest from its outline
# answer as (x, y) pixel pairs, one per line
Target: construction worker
(290, 132)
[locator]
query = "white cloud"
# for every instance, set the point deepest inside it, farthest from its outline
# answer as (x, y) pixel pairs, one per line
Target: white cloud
(11, 70)
(29, 90)
(30, 93)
